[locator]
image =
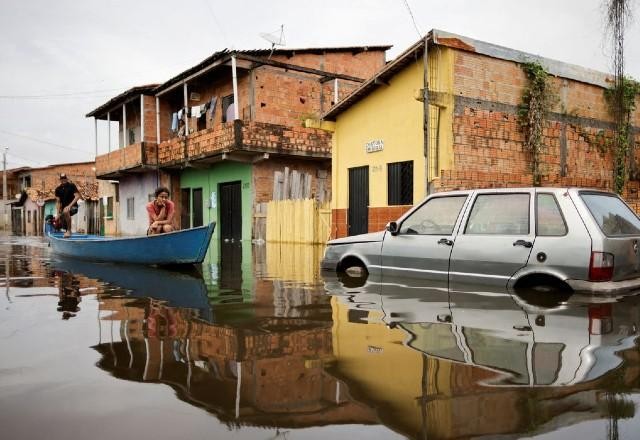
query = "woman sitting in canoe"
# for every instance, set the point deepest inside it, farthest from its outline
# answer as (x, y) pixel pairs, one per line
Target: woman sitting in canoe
(160, 211)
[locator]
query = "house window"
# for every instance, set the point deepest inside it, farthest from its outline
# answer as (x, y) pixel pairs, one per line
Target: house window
(400, 183)
(109, 207)
(130, 208)
(116, 191)
(227, 108)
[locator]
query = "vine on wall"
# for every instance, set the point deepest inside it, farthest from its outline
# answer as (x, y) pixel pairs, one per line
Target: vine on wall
(622, 102)
(537, 99)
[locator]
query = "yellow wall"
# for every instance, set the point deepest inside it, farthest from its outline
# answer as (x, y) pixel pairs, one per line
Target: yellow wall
(375, 358)
(392, 114)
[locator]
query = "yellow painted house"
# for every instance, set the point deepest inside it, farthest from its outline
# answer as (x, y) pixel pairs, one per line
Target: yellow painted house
(382, 161)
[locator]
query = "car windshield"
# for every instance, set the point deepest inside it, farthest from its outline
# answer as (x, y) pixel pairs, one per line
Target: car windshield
(611, 214)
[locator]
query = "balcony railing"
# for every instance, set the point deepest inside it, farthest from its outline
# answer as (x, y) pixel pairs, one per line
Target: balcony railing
(130, 159)
(246, 139)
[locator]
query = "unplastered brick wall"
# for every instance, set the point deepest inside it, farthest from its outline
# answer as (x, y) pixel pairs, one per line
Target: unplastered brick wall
(489, 149)
(277, 138)
(353, 63)
(150, 133)
(45, 180)
(263, 174)
(288, 97)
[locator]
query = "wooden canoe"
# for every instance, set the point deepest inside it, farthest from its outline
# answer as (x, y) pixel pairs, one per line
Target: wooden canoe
(187, 246)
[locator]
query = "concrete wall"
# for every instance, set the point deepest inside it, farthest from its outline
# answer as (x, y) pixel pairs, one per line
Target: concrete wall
(140, 187)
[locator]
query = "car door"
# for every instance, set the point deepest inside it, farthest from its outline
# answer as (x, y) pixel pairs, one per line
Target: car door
(495, 240)
(422, 246)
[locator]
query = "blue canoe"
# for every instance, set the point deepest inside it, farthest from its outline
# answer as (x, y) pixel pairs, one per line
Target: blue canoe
(187, 246)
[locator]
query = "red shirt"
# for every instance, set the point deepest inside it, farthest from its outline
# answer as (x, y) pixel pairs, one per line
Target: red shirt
(154, 211)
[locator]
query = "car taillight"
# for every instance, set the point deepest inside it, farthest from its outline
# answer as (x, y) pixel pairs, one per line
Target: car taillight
(600, 319)
(601, 266)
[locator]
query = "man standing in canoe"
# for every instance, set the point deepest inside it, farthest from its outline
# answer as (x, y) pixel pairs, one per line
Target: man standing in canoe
(67, 196)
(160, 211)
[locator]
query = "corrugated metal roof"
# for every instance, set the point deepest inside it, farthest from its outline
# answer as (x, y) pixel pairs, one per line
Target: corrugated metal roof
(122, 97)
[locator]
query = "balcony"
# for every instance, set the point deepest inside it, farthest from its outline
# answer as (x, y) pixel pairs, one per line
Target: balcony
(244, 142)
(134, 158)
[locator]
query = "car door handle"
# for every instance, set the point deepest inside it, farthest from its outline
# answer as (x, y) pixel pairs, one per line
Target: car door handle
(445, 241)
(524, 243)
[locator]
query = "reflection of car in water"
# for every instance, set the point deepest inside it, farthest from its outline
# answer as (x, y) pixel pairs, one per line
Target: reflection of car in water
(533, 346)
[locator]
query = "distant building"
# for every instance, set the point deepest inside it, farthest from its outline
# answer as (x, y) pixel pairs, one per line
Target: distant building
(35, 197)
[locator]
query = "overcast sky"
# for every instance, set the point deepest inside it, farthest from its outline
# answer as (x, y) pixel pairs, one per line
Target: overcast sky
(61, 59)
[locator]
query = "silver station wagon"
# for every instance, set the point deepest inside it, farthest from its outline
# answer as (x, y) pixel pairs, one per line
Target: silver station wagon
(569, 238)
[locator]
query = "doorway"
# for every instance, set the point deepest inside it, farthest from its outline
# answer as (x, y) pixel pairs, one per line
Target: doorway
(358, 215)
(230, 211)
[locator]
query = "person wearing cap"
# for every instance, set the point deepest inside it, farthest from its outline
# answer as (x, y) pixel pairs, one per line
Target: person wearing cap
(67, 196)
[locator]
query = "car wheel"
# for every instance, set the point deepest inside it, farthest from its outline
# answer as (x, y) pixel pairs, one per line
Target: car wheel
(354, 276)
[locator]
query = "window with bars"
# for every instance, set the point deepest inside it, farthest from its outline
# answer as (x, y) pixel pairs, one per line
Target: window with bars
(130, 208)
(109, 207)
(400, 183)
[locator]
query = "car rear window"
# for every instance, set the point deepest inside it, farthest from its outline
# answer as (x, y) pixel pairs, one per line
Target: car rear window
(611, 214)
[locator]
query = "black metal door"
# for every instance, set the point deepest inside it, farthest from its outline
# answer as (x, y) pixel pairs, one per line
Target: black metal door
(358, 215)
(197, 207)
(230, 211)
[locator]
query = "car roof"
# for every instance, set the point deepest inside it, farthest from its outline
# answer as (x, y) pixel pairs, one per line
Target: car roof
(517, 189)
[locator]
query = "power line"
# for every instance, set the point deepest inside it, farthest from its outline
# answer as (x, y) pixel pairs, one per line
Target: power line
(406, 3)
(44, 142)
(10, 154)
(59, 95)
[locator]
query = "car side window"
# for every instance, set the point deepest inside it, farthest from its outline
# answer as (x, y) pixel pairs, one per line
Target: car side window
(499, 214)
(436, 217)
(549, 219)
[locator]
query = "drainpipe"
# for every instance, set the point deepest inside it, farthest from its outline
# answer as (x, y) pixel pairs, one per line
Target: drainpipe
(236, 104)
(109, 130)
(335, 91)
(425, 59)
(141, 118)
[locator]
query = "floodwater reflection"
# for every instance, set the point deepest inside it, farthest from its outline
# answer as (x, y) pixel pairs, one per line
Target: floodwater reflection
(484, 363)
(256, 343)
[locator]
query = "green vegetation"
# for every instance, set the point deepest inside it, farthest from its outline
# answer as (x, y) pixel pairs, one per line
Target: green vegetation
(537, 99)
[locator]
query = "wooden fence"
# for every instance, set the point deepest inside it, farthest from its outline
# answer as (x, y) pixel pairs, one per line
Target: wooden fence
(298, 221)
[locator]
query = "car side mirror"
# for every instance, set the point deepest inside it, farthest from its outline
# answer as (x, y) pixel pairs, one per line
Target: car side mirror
(392, 227)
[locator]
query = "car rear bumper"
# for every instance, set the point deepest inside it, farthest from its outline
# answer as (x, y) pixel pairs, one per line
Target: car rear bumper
(604, 287)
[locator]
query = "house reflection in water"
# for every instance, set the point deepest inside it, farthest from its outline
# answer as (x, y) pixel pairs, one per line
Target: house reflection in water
(439, 364)
(267, 372)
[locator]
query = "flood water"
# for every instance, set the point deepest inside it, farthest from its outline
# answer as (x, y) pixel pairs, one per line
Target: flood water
(257, 345)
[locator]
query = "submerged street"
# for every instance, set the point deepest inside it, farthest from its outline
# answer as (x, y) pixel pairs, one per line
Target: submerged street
(256, 344)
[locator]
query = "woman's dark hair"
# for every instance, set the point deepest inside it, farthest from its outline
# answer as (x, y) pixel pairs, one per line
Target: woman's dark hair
(162, 189)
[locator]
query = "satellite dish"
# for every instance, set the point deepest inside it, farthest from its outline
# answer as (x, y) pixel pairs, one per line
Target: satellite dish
(276, 38)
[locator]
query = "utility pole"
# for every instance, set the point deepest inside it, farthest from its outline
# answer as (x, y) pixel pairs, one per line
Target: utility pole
(5, 220)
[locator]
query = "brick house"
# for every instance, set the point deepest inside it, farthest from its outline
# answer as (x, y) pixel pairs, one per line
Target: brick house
(217, 133)
(37, 197)
(392, 147)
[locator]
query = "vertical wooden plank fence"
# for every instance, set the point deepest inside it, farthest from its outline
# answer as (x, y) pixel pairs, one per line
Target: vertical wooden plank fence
(298, 221)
